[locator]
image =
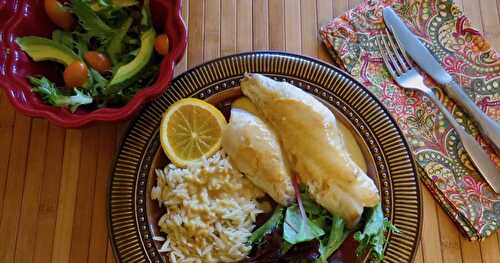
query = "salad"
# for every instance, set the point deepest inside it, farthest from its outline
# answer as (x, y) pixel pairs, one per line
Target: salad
(106, 50)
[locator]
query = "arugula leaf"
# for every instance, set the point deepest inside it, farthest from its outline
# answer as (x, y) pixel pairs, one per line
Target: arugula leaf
(296, 229)
(311, 207)
(338, 234)
(96, 83)
(372, 235)
(53, 96)
(272, 223)
(63, 37)
(285, 246)
(91, 22)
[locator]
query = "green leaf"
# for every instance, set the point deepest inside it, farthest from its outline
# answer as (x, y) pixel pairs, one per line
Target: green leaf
(285, 246)
(337, 236)
(296, 229)
(104, 3)
(311, 207)
(373, 234)
(272, 223)
(63, 37)
(53, 96)
(80, 44)
(91, 22)
(96, 83)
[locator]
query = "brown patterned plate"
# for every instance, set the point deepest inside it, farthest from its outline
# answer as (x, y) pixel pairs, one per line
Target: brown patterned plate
(133, 216)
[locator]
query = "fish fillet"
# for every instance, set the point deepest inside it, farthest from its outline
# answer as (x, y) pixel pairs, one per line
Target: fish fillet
(254, 150)
(314, 146)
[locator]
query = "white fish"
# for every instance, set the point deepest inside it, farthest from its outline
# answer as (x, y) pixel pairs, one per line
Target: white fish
(254, 150)
(314, 146)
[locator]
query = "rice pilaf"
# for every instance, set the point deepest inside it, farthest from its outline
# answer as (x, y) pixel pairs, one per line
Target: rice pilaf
(210, 211)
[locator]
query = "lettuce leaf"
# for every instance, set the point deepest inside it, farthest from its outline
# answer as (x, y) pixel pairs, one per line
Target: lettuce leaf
(271, 224)
(373, 234)
(296, 229)
(337, 236)
(91, 22)
(54, 96)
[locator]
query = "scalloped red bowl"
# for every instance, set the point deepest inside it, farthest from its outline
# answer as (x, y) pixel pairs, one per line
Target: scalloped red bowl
(27, 17)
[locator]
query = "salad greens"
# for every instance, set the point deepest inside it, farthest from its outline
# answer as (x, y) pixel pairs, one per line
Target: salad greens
(319, 226)
(50, 93)
(372, 236)
(296, 229)
(329, 244)
(91, 22)
(271, 224)
(120, 31)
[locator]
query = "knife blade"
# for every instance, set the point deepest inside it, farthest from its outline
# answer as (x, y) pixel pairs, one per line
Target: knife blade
(426, 61)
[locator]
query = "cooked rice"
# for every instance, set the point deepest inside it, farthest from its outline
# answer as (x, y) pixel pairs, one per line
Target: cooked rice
(210, 211)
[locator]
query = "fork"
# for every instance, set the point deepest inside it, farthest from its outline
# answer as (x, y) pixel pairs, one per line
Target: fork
(402, 70)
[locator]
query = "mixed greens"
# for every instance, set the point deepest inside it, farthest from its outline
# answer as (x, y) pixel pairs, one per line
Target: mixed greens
(107, 55)
(290, 236)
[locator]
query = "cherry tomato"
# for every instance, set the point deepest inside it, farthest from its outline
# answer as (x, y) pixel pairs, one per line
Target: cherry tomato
(161, 44)
(98, 60)
(76, 74)
(58, 14)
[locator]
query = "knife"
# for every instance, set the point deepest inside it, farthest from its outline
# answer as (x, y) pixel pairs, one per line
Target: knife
(421, 55)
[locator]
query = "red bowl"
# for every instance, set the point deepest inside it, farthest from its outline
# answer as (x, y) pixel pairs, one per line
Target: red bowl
(28, 17)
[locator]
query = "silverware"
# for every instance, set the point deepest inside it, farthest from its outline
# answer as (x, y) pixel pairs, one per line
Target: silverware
(401, 69)
(421, 55)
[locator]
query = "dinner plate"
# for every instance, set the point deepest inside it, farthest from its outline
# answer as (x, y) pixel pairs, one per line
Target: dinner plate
(133, 216)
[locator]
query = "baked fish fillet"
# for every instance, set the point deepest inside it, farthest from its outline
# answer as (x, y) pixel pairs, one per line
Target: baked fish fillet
(254, 150)
(314, 146)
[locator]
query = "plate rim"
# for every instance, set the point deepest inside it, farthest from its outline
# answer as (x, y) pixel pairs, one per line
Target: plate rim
(288, 55)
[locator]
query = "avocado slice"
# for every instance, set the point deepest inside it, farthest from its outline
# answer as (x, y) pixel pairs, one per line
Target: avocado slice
(134, 67)
(39, 48)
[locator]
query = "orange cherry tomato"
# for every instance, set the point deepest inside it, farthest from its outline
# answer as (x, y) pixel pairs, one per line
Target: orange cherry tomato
(98, 60)
(161, 44)
(58, 14)
(76, 74)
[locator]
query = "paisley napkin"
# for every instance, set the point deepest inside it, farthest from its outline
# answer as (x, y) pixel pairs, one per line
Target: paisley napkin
(444, 166)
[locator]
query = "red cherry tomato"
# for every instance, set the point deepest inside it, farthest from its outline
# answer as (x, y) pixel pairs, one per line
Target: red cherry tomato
(162, 44)
(58, 14)
(76, 74)
(98, 60)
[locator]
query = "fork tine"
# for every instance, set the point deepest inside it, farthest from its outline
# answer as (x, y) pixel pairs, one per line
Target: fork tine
(403, 51)
(396, 51)
(392, 59)
(388, 64)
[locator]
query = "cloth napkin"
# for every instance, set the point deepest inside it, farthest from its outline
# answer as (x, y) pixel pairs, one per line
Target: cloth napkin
(444, 166)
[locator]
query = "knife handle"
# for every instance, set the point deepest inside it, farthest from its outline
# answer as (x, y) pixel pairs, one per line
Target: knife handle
(477, 155)
(488, 127)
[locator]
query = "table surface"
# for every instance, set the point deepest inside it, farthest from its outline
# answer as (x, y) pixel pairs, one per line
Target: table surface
(53, 181)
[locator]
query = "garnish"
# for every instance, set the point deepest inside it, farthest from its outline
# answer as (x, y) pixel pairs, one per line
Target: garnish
(372, 237)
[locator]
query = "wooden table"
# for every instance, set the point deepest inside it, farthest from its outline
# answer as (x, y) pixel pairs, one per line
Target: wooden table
(53, 181)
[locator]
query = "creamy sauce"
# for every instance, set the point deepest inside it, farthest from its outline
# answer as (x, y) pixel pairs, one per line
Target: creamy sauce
(352, 146)
(349, 139)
